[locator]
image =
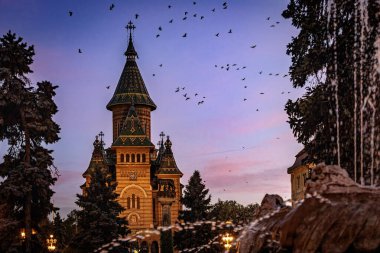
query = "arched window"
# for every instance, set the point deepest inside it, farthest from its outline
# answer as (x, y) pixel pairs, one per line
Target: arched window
(121, 158)
(138, 202)
(133, 158)
(127, 158)
(143, 158)
(133, 200)
(128, 203)
(138, 158)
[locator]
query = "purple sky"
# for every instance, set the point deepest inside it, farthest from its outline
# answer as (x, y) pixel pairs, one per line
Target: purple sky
(241, 153)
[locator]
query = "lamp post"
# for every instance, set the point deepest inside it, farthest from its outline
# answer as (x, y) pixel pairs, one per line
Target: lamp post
(51, 243)
(227, 239)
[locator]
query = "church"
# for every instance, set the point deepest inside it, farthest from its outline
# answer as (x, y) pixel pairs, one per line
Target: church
(148, 179)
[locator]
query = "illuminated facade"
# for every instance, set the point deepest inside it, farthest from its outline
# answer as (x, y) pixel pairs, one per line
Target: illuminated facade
(148, 179)
(299, 172)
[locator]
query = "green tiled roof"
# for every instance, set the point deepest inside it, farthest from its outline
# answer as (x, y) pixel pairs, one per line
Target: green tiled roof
(131, 87)
(167, 161)
(97, 158)
(132, 133)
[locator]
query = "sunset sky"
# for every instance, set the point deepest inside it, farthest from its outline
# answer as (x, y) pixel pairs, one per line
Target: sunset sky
(242, 148)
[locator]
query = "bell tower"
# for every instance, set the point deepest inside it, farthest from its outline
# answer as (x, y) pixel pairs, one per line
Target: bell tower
(131, 90)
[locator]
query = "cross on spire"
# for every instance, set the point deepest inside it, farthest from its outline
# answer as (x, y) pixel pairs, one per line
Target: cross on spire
(162, 135)
(101, 134)
(130, 27)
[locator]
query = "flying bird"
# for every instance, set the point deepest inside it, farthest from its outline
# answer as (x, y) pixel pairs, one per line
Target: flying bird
(234, 64)
(217, 35)
(261, 93)
(268, 18)
(270, 74)
(184, 18)
(202, 17)
(213, 10)
(216, 66)
(153, 74)
(137, 16)
(79, 51)
(185, 35)
(285, 75)
(187, 98)
(160, 28)
(70, 13)
(196, 94)
(158, 35)
(277, 22)
(195, 15)
(257, 110)
(112, 6)
(260, 72)
(201, 102)
(244, 67)
(230, 31)
(243, 79)
(272, 26)
(177, 90)
(160, 65)
(171, 21)
(194, 3)
(245, 86)
(253, 46)
(225, 7)
(108, 87)
(169, 6)
(244, 99)
(186, 13)
(183, 88)
(185, 95)
(277, 74)
(225, 4)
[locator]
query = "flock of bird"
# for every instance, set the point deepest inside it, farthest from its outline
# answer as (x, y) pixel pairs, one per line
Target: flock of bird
(226, 67)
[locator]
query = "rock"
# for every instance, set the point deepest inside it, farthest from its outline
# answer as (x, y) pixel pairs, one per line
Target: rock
(337, 215)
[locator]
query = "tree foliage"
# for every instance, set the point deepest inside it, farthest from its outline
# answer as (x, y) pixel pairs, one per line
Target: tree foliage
(98, 220)
(196, 198)
(27, 125)
(230, 210)
(334, 59)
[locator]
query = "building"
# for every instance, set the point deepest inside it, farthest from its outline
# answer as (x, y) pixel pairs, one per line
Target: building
(148, 178)
(299, 172)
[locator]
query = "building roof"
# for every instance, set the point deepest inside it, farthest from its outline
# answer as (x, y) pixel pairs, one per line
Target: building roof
(131, 132)
(301, 158)
(131, 87)
(98, 157)
(167, 162)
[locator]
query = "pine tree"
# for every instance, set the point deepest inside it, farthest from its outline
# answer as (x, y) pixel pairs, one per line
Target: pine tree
(59, 231)
(98, 221)
(334, 57)
(26, 122)
(195, 198)
(197, 201)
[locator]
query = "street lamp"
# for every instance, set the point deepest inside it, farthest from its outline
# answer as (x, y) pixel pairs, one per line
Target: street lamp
(51, 243)
(227, 239)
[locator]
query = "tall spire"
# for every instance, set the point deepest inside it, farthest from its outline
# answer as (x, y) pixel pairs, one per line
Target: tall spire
(131, 52)
(131, 86)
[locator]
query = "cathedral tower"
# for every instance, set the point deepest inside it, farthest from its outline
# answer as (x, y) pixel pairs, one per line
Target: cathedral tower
(130, 89)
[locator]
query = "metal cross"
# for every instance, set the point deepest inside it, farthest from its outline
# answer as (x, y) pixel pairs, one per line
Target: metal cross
(162, 135)
(101, 134)
(130, 26)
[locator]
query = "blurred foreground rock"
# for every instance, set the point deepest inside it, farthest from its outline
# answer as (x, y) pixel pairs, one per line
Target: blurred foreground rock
(337, 215)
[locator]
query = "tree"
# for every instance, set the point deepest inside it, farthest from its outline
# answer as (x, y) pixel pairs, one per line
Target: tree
(194, 233)
(98, 220)
(230, 210)
(26, 123)
(195, 198)
(334, 57)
